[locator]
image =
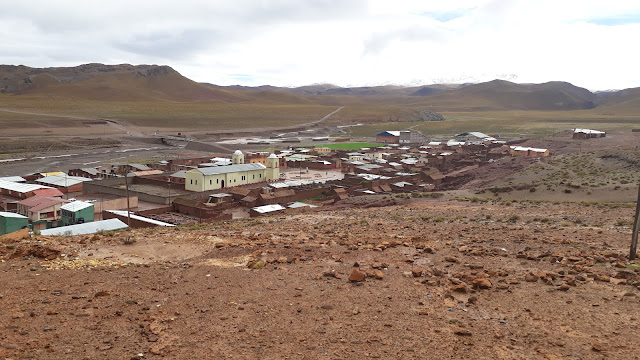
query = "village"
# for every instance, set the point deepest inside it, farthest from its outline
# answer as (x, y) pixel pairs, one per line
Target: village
(221, 187)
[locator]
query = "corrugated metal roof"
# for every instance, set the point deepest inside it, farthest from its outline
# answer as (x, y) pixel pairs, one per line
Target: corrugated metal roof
(230, 168)
(588, 131)
(389, 133)
(12, 215)
(522, 148)
(140, 167)
(140, 218)
(180, 174)
(298, 204)
(268, 208)
(86, 228)
(92, 171)
(146, 172)
(21, 188)
(76, 206)
(62, 180)
(17, 179)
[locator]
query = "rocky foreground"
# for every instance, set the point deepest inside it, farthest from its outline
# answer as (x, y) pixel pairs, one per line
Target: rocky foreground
(426, 279)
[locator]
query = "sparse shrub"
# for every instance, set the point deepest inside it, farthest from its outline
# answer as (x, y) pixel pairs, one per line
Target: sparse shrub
(533, 189)
(513, 218)
(128, 240)
(623, 222)
(567, 191)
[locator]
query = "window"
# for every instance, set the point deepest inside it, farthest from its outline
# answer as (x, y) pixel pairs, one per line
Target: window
(261, 175)
(210, 181)
(254, 176)
(196, 182)
(217, 181)
(191, 181)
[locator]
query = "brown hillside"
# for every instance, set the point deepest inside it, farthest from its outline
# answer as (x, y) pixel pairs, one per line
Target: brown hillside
(109, 83)
(621, 102)
(501, 94)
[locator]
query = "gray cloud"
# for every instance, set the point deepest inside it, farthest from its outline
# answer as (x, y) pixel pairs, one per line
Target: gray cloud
(379, 41)
(178, 44)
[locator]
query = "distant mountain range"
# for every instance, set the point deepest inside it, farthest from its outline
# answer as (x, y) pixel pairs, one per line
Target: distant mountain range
(162, 83)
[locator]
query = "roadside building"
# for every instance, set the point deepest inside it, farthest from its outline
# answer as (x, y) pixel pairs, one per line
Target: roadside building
(388, 137)
(10, 222)
(588, 134)
(77, 212)
(528, 151)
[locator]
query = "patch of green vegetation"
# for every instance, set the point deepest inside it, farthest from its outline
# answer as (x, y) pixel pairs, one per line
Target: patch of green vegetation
(319, 197)
(350, 146)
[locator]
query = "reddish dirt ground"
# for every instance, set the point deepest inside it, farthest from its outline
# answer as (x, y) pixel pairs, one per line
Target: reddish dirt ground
(442, 280)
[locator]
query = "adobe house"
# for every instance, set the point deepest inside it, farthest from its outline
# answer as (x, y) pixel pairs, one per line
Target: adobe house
(41, 211)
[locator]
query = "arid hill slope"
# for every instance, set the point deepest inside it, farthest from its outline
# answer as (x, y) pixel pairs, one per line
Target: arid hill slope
(109, 83)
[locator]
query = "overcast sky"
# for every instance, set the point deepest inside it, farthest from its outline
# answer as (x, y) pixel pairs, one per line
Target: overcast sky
(590, 43)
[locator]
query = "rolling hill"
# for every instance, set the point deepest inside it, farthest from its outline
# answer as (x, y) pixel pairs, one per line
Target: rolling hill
(158, 96)
(109, 83)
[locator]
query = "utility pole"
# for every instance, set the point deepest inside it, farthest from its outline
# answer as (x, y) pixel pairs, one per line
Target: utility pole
(636, 224)
(126, 184)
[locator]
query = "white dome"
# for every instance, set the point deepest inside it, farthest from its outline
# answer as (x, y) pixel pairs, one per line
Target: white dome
(272, 156)
(238, 152)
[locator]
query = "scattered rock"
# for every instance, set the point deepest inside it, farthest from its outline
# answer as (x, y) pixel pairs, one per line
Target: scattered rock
(461, 288)
(356, 276)
(417, 271)
(256, 264)
(378, 274)
(462, 332)
(481, 283)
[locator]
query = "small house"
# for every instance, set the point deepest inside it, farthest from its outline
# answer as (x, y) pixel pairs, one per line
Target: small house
(10, 222)
(77, 212)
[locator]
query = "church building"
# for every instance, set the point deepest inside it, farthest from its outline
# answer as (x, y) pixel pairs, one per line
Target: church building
(239, 173)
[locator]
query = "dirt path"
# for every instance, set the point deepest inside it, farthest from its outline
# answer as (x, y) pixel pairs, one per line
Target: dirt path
(115, 123)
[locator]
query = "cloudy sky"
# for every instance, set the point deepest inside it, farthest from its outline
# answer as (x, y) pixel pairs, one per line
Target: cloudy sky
(590, 43)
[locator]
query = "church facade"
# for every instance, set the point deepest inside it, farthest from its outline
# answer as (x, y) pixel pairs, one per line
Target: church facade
(239, 173)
